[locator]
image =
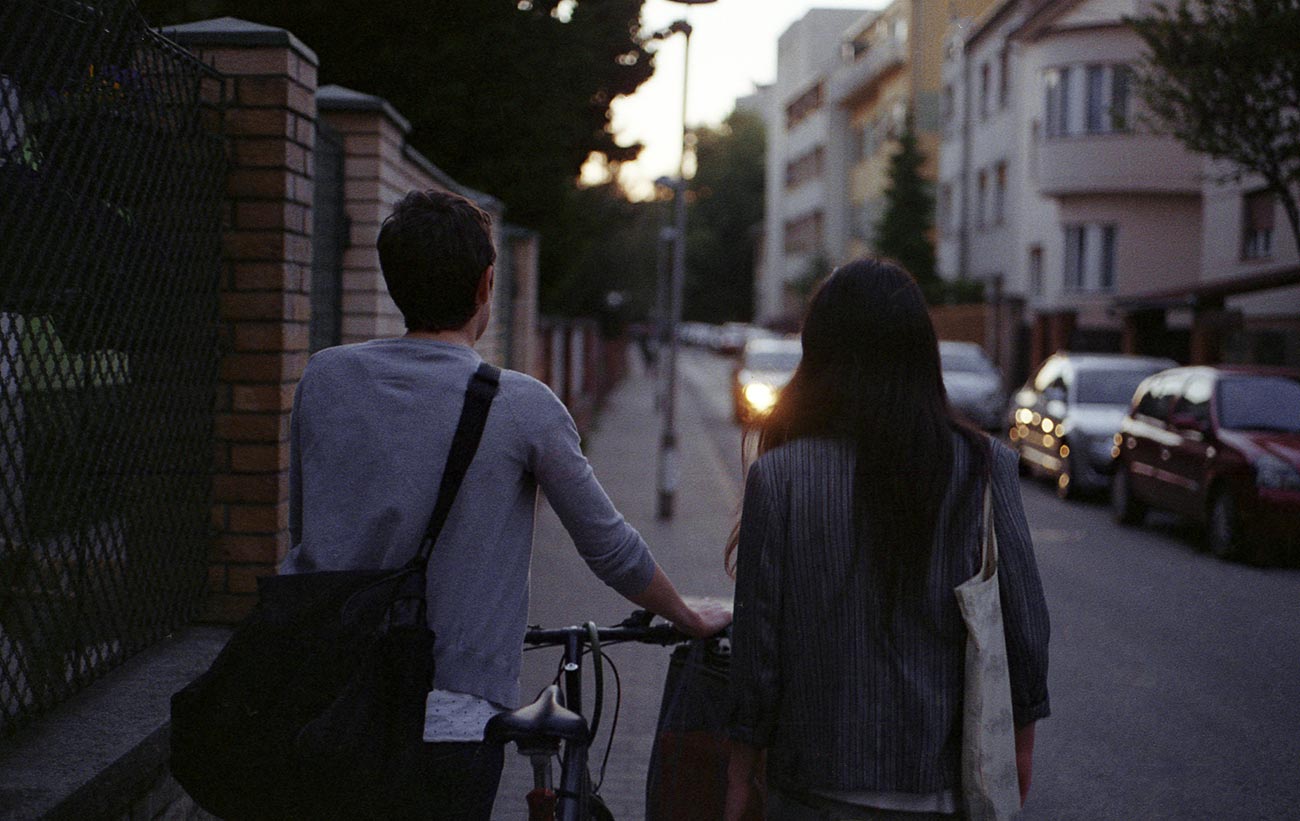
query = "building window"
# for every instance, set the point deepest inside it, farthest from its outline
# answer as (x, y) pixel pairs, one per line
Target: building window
(1056, 83)
(1090, 256)
(1076, 255)
(805, 168)
(1004, 77)
(804, 235)
(981, 198)
(1036, 270)
(804, 106)
(1257, 225)
(1106, 265)
(1106, 100)
(985, 70)
(1119, 97)
(1000, 193)
(1095, 120)
(898, 30)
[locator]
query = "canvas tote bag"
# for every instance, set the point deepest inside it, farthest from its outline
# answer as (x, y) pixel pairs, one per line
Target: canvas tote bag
(989, 779)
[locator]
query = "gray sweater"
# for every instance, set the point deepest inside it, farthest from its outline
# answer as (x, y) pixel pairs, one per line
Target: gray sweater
(372, 425)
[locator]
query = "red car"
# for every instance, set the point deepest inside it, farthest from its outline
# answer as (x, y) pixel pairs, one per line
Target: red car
(1220, 445)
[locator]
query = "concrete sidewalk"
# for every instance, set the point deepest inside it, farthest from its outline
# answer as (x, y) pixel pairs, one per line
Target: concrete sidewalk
(623, 450)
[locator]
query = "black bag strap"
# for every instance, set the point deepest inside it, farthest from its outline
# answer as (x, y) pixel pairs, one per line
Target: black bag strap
(480, 392)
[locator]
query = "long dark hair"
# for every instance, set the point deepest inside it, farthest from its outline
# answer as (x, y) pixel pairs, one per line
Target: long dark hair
(870, 374)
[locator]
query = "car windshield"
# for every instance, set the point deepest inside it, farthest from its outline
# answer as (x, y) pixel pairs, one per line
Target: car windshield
(963, 360)
(773, 360)
(1260, 403)
(1108, 387)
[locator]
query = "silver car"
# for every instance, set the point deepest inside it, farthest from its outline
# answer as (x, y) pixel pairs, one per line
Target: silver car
(973, 383)
(1064, 419)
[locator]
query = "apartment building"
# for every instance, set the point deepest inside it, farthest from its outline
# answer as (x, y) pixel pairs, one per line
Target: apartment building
(847, 82)
(1050, 189)
(798, 228)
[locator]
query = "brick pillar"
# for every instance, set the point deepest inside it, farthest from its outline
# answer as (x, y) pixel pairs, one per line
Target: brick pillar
(265, 304)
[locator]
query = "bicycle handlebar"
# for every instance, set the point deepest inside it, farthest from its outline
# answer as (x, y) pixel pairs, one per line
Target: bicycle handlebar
(636, 628)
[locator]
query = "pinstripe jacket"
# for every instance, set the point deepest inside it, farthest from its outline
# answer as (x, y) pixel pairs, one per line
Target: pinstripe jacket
(837, 704)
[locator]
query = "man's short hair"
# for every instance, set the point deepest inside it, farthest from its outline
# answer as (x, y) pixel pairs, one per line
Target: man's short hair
(433, 250)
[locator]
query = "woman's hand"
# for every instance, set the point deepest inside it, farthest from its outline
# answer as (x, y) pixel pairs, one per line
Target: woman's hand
(1025, 758)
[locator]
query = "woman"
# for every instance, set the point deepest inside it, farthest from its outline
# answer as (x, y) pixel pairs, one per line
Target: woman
(861, 514)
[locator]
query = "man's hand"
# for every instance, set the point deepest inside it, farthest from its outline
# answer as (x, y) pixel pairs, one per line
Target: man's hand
(708, 617)
(700, 618)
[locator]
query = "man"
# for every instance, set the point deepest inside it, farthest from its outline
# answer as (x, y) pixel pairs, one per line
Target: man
(372, 425)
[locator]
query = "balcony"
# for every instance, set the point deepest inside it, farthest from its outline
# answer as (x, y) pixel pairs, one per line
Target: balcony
(859, 77)
(1116, 163)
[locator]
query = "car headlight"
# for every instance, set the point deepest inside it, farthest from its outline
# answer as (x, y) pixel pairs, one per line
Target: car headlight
(1274, 474)
(760, 396)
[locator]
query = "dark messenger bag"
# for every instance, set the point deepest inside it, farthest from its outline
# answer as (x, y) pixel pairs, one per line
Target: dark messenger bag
(316, 703)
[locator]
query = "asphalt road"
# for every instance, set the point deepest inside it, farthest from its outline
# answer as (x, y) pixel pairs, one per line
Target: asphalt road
(1175, 677)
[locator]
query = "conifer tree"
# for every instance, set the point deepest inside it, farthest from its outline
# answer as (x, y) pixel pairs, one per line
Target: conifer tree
(904, 229)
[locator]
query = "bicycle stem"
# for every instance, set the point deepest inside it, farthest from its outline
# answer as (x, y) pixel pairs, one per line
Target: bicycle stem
(573, 794)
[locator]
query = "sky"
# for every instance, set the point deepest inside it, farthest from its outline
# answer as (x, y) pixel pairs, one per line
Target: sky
(733, 47)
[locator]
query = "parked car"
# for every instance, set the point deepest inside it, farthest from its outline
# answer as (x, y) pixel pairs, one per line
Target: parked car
(1220, 445)
(1064, 419)
(973, 383)
(762, 370)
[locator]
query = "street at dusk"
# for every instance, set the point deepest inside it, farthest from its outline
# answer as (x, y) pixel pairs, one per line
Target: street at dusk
(1173, 674)
(366, 367)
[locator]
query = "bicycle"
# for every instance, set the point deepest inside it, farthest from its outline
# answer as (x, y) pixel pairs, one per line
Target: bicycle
(555, 718)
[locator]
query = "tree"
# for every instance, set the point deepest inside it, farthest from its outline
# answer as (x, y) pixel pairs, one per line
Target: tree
(726, 205)
(1223, 77)
(904, 229)
(506, 96)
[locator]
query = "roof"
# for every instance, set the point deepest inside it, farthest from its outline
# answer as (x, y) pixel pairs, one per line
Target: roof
(232, 31)
(1212, 293)
(339, 98)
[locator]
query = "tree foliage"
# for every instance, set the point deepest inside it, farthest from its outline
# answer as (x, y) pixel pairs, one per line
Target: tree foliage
(727, 204)
(904, 229)
(619, 256)
(507, 96)
(1223, 77)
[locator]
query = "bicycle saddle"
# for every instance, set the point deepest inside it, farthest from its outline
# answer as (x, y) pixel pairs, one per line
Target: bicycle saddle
(545, 718)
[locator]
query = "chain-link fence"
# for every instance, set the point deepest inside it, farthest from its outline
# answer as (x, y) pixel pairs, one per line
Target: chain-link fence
(111, 180)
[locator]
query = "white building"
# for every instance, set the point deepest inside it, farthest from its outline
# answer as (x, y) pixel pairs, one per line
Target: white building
(1050, 190)
(798, 227)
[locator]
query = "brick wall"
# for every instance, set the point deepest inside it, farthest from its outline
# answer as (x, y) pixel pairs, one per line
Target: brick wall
(381, 167)
(265, 303)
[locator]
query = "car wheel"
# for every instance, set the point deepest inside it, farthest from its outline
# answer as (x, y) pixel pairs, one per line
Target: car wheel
(1223, 536)
(1127, 508)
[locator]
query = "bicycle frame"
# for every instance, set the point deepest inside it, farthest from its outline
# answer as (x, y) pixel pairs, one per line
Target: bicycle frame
(573, 800)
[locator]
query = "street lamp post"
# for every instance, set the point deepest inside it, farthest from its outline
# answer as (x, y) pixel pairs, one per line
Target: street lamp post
(669, 471)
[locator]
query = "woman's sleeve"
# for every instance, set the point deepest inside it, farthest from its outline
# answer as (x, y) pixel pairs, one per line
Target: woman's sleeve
(755, 660)
(1024, 609)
